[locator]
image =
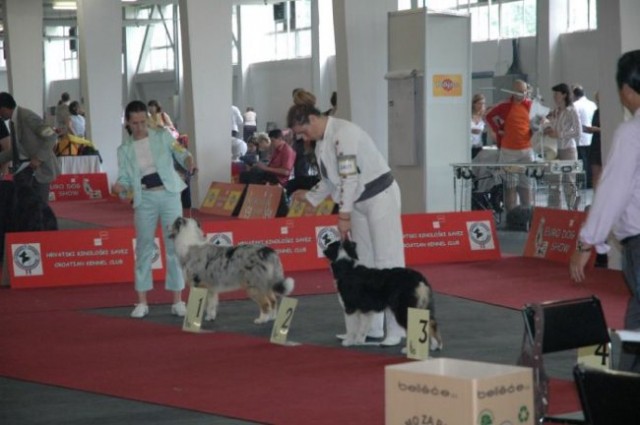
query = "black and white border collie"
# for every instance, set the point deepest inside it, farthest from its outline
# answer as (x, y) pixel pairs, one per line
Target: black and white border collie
(364, 291)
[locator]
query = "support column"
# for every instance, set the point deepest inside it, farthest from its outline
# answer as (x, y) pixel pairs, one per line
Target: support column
(100, 59)
(207, 78)
(25, 52)
(551, 18)
(361, 38)
(322, 36)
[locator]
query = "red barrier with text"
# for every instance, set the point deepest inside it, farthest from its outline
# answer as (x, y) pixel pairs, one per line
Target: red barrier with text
(83, 257)
(554, 234)
(79, 187)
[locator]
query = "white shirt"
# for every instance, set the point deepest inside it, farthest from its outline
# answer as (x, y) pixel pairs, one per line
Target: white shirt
(616, 205)
(238, 148)
(585, 109)
(250, 118)
(144, 156)
(567, 125)
(343, 138)
(476, 139)
(236, 118)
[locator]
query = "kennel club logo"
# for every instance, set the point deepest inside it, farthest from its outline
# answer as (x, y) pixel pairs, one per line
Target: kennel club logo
(480, 236)
(220, 239)
(27, 260)
(324, 236)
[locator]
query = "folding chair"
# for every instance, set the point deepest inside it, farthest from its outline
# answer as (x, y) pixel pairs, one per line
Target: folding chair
(608, 397)
(558, 326)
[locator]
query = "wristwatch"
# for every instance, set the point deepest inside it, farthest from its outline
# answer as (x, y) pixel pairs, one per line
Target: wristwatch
(581, 247)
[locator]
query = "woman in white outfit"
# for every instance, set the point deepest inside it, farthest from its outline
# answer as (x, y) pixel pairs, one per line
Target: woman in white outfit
(359, 180)
(565, 127)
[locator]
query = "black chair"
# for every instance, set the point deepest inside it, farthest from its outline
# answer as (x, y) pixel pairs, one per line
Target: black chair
(608, 397)
(558, 326)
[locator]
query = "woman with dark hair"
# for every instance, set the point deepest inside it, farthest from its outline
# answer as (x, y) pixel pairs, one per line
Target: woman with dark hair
(566, 128)
(145, 169)
(358, 178)
(160, 119)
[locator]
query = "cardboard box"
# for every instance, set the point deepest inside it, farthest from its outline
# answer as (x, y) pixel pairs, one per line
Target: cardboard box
(458, 392)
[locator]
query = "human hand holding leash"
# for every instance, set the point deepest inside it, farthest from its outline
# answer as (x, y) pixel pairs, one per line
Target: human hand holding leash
(344, 225)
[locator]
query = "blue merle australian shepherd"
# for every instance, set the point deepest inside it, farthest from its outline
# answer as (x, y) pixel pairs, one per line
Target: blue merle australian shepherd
(364, 291)
(254, 268)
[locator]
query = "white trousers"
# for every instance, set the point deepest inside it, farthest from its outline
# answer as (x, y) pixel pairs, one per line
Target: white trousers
(376, 226)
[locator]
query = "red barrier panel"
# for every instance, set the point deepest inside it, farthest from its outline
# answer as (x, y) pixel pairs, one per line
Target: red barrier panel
(99, 256)
(553, 234)
(74, 257)
(78, 187)
(450, 237)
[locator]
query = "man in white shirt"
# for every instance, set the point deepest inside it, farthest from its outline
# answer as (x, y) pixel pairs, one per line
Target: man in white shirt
(616, 205)
(585, 109)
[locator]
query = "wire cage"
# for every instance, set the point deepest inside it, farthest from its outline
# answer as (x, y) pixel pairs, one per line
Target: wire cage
(553, 184)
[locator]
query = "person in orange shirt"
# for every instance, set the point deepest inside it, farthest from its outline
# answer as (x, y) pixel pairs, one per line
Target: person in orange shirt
(510, 123)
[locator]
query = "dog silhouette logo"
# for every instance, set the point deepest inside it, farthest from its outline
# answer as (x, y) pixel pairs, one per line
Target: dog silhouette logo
(27, 259)
(221, 239)
(480, 235)
(324, 236)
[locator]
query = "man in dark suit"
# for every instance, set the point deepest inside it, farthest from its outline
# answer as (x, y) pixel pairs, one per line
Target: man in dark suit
(35, 163)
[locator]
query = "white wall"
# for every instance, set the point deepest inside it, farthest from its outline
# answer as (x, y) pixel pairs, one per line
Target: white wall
(269, 85)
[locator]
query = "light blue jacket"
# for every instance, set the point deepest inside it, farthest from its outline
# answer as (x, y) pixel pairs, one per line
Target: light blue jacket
(164, 148)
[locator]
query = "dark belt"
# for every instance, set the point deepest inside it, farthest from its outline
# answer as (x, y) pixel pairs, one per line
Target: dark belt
(629, 239)
(151, 180)
(376, 186)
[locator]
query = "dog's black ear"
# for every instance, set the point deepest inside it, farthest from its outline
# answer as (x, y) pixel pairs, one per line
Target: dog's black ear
(350, 248)
(331, 251)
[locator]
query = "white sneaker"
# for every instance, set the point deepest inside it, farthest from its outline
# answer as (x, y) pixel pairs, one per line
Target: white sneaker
(179, 309)
(140, 311)
(391, 341)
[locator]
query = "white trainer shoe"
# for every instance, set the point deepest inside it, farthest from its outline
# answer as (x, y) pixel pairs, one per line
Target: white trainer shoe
(140, 311)
(391, 341)
(179, 309)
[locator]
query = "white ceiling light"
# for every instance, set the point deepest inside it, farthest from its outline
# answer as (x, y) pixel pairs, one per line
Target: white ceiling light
(65, 5)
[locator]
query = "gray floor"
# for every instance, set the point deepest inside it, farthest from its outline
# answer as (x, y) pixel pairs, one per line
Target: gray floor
(471, 330)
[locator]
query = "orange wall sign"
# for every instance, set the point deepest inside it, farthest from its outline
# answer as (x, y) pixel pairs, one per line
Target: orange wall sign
(81, 257)
(447, 85)
(79, 187)
(554, 234)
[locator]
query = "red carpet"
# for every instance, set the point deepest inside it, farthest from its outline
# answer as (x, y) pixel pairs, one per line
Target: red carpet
(118, 295)
(515, 281)
(45, 341)
(161, 364)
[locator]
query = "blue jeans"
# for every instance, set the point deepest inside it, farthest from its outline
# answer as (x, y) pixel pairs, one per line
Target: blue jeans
(166, 206)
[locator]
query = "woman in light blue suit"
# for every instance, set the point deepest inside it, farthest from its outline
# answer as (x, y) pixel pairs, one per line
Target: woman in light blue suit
(146, 169)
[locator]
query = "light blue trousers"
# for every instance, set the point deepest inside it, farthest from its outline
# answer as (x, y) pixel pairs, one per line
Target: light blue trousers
(166, 206)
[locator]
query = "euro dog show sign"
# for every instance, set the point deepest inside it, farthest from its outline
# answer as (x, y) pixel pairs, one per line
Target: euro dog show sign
(99, 256)
(79, 187)
(554, 234)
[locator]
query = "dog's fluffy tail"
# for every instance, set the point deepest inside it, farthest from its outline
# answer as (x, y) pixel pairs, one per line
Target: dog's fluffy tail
(284, 287)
